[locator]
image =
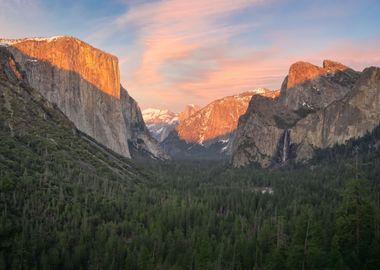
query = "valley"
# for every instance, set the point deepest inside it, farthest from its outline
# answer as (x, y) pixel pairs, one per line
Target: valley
(264, 179)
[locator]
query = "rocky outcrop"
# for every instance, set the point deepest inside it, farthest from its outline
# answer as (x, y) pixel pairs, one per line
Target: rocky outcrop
(9, 69)
(84, 82)
(318, 107)
(316, 87)
(208, 133)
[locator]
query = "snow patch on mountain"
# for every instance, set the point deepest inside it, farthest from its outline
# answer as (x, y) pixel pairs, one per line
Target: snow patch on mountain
(160, 122)
(258, 91)
(15, 41)
(152, 115)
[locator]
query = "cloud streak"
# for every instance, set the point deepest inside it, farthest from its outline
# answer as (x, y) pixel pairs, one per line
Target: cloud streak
(182, 44)
(190, 51)
(174, 52)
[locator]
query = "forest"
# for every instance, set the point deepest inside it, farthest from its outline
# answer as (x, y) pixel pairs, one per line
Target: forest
(68, 203)
(194, 215)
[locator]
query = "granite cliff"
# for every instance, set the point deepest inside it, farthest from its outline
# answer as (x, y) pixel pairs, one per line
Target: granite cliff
(35, 134)
(84, 82)
(318, 107)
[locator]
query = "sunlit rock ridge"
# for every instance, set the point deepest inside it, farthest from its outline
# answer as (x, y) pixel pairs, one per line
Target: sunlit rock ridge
(207, 133)
(218, 118)
(84, 82)
(318, 107)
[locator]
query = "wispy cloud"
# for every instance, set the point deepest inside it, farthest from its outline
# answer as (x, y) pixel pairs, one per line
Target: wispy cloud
(174, 52)
(181, 44)
(356, 54)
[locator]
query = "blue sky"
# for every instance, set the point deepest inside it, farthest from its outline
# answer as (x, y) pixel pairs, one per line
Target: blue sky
(175, 52)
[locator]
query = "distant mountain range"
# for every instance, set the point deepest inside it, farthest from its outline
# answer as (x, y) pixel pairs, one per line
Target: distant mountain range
(160, 122)
(152, 116)
(201, 133)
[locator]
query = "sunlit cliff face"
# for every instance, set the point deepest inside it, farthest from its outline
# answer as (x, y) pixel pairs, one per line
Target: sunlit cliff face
(70, 54)
(84, 83)
(219, 118)
(301, 72)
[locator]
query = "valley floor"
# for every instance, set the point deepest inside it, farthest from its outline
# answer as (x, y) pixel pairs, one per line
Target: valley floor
(197, 215)
(68, 203)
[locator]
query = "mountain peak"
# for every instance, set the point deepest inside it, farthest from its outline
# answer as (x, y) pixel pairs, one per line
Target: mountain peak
(152, 115)
(329, 64)
(301, 71)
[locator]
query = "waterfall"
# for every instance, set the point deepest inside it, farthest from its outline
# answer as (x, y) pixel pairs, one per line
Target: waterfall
(285, 146)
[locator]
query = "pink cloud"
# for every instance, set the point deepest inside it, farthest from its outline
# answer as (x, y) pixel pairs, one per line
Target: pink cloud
(357, 55)
(185, 53)
(173, 32)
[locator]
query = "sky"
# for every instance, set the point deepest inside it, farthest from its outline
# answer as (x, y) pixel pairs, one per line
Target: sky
(175, 52)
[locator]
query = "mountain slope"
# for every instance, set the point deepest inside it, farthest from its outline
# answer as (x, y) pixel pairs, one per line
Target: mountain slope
(57, 185)
(217, 119)
(318, 107)
(34, 130)
(208, 133)
(84, 82)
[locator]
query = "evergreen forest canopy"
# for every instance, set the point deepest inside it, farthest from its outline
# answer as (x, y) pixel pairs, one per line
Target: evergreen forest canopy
(68, 203)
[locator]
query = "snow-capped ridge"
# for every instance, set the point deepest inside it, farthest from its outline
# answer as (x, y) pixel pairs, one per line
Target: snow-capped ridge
(48, 40)
(18, 40)
(152, 115)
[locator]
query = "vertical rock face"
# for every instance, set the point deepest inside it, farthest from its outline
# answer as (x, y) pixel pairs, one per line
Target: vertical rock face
(317, 108)
(70, 54)
(9, 69)
(140, 139)
(84, 82)
(316, 86)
